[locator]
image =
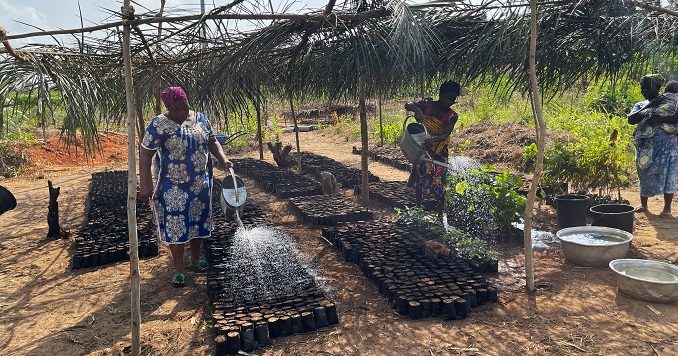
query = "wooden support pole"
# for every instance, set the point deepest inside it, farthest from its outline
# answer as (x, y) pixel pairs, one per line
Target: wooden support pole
(541, 135)
(131, 186)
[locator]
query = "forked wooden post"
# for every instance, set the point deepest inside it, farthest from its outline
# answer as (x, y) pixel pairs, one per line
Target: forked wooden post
(131, 185)
(541, 136)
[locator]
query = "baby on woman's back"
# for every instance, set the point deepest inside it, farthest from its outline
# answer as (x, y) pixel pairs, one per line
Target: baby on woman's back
(665, 104)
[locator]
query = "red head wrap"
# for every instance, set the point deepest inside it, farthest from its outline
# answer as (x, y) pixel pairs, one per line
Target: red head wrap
(171, 95)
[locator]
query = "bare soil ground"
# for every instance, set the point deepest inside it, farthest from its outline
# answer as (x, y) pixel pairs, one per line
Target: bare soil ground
(48, 309)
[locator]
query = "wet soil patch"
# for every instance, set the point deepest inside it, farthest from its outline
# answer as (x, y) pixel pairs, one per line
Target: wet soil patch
(258, 287)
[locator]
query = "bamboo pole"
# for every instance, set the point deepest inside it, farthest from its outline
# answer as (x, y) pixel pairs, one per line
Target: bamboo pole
(381, 123)
(131, 186)
(364, 191)
(158, 72)
(650, 7)
(296, 133)
(293, 17)
(257, 105)
(541, 136)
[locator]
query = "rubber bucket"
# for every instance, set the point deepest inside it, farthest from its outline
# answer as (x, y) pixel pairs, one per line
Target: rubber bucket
(413, 136)
(618, 216)
(7, 200)
(572, 209)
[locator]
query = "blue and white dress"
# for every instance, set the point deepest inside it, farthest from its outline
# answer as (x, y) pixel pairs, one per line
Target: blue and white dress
(182, 198)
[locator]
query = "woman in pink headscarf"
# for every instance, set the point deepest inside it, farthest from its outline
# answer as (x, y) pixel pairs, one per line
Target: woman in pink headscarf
(181, 140)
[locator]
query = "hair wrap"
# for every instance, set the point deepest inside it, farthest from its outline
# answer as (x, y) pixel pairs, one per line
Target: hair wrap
(171, 95)
(654, 79)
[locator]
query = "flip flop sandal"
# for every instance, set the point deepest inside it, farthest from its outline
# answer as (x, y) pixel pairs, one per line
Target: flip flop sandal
(640, 209)
(179, 280)
(202, 266)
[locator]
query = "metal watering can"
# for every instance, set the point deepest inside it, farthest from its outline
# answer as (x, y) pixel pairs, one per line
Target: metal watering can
(413, 136)
(233, 197)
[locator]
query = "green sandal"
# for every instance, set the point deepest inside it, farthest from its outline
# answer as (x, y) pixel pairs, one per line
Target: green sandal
(202, 266)
(179, 280)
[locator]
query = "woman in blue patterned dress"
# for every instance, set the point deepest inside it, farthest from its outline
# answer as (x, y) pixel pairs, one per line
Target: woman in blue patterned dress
(656, 146)
(181, 140)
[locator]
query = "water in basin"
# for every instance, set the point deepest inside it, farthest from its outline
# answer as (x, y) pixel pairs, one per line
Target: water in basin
(592, 238)
(649, 274)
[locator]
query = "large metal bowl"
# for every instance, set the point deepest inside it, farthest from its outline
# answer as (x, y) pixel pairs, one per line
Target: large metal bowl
(593, 245)
(652, 281)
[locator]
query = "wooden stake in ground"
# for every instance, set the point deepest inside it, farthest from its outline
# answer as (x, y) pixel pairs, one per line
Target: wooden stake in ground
(131, 185)
(541, 136)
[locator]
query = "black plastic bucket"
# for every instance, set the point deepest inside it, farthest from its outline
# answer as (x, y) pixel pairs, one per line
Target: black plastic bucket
(572, 209)
(618, 216)
(7, 200)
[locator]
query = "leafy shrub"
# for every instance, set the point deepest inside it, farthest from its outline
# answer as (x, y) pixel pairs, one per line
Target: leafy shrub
(12, 160)
(482, 205)
(529, 157)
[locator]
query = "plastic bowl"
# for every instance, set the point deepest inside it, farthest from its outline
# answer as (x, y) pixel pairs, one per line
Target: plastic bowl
(594, 246)
(651, 281)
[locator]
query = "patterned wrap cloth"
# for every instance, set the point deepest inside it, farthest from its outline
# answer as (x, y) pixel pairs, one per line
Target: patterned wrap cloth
(182, 197)
(428, 177)
(656, 148)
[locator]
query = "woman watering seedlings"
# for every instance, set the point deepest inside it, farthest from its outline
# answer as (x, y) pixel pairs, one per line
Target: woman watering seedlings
(181, 139)
(439, 120)
(656, 142)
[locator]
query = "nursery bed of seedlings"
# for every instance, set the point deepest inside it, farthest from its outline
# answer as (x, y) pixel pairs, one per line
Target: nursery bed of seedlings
(280, 182)
(396, 195)
(388, 155)
(258, 286)
(391, 254)
(105, 238)
(329, 209)
(346, 176)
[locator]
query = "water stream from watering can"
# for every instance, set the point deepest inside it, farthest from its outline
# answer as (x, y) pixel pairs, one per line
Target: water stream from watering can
(236, 217)
(471, 212)
(265, 265)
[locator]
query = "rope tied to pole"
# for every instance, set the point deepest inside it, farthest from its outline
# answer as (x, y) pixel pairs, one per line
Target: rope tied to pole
(8, 47)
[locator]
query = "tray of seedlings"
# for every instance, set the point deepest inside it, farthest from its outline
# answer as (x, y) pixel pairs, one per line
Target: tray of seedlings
(329, 209)
(392, 254)
(105, 238)
(259, 286)
(346, 176)
(396, 195)
(388, 155)
(280, 182)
